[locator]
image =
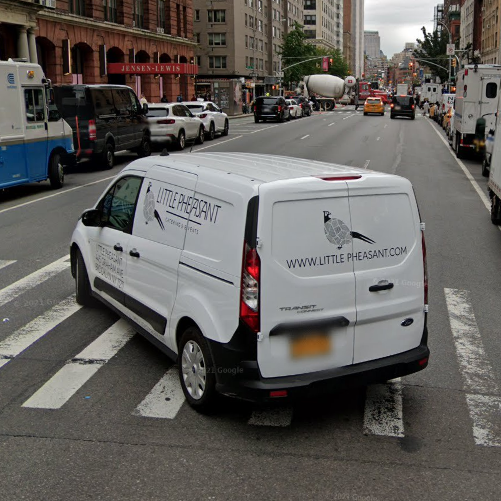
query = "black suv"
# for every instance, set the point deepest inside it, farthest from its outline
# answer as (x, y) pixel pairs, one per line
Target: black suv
(403, 106)
(305, 105)
(104, 119)
(270, 108)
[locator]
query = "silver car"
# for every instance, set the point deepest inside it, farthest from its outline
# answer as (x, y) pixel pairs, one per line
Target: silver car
(174, 123)
(214, 119)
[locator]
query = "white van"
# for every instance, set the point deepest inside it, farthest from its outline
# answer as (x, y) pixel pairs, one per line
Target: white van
(263, 276)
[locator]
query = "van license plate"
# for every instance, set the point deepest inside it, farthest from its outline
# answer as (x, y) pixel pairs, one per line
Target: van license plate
(310, 345)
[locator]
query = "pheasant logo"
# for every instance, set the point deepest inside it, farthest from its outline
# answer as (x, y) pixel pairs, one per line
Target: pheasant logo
(339, 234)
(149, 210)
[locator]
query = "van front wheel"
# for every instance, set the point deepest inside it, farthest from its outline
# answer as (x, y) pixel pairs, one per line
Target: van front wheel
(56, 171)
(83, 290)
(196, 370)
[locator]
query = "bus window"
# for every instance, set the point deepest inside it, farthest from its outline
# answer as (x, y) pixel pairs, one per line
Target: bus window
(35, 105)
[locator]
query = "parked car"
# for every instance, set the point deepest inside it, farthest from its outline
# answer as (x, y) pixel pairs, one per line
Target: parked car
(214, 119)
(374, 105)
(270, 108)
(212, 256)
(174, 123)
(305, 105)
(105, 119)
(295, 111)
(402, 106)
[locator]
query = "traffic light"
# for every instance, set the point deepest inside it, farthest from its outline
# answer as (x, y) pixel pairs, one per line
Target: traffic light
(410, 65)
(331, 60)
(453, 62)
(273, 87)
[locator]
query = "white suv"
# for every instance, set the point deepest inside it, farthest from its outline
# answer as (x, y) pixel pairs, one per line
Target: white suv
(214, 119)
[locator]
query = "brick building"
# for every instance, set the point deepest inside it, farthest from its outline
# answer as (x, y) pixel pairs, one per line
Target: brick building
(77, 41)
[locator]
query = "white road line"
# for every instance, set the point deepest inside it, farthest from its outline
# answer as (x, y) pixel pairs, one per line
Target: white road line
(475, 367)
(366, 164)
(68, 380)
(304, 137)
(383, 410)
(349, 116)
(479, 382)
(165, 399)
(5, 263)
(330, 125)
(25, 336)
(17, 288)
(59, 193)
(218, 143)
(277, 416)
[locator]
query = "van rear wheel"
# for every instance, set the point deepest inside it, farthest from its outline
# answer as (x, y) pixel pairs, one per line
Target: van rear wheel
(108, 156)
(485, 168)
(495, 210)
(56, 171)
(144, 149)
(196, 370)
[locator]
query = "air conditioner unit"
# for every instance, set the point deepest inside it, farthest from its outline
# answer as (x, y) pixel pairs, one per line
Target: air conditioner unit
(160, 30)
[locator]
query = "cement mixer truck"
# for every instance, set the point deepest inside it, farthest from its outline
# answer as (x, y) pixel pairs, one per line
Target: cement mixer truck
(327, 88)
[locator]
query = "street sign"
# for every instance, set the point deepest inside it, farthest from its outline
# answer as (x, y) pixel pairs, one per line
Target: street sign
(280, 74)
(451, 48)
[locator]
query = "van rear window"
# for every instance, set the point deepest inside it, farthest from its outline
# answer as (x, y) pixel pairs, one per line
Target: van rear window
(71, 103)
(269, 100)
(403, 100)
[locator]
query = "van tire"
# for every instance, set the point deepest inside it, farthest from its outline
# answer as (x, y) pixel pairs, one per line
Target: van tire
(212, 132)
(108, 157)
(144, 149)
(256, 120)
(201, 136)
(226, 128)
(459, 149)
(195, 344)
(83, 290)
(485, 168)
(181, 140)
(56, 171)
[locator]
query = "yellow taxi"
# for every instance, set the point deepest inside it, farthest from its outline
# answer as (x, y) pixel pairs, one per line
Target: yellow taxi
(374, 105)
(447, 118)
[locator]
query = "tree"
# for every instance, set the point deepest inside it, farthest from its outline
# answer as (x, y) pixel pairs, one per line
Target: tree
(434, 49)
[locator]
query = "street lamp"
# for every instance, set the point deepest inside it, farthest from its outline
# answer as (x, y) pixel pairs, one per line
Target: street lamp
(450, 42)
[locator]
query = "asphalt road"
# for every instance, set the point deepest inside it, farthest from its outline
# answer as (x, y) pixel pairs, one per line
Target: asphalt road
(435, 435)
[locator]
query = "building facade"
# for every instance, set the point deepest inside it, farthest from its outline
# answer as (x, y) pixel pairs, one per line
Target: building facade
(490, 51)
(452, 18)
(241, 40)
(81, 41)
(357, 38)
(372, 44)
(323, 23)
(347, 50)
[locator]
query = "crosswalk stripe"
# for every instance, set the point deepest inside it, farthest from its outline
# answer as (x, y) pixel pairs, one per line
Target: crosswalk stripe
(24, 337)
(165, 399)
(278, 416)
(17, 288)
(482, 398)
(4, 263)
(383, 410)
(68, 380)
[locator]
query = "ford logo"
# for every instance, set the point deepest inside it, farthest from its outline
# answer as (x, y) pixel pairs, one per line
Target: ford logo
(11, 79)
(407, 322)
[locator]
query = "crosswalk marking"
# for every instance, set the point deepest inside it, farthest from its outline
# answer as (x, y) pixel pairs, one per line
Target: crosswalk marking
(484, 403)
(5, 263)
(24, 337)
(67, 381)
(277, 416)
(383, 410)
(17, 288)
(165, 399)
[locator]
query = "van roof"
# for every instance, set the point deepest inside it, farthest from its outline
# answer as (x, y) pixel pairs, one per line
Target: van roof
(256, 167)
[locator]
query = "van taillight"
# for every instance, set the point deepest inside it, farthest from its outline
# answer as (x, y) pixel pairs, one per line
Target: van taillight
(466, 73)
(169, 121)
(279, 108)
(92, 130)
(255, 108)
(412, 106)
(425, 271)
(249, 294)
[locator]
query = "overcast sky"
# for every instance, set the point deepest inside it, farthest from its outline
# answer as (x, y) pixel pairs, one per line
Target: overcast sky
(398, 21)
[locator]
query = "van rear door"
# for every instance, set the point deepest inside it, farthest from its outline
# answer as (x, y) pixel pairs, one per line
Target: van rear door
(388, 271)
(307, 283)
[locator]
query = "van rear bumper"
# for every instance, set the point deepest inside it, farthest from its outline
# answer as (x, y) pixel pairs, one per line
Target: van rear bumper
(241, 379)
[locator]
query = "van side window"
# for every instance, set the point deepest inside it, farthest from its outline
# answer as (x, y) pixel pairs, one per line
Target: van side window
(122, 102)
(35, 105)
(119, 203)
(103, 101)
(135, 103)
(491, 90)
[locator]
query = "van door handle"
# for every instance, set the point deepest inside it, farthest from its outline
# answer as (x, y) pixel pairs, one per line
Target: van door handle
(134, 253)
(382, 287)
(118, 248)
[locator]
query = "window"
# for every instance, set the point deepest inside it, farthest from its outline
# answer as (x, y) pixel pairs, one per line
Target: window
(310, 19)
(216, 16)
(260, 25)
(122, 102)
(217, 62)
(103, 102)
(216, 39)
(199, 60)
(35, 108)
(110, 10)
(161, 14)
(77, 7)
(197, 15)
(245, 19)
(138, 18)
(246, 42)
(119, 203)
(491, 90)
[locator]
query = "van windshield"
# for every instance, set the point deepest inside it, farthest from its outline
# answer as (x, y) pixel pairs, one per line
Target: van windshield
(71, 102)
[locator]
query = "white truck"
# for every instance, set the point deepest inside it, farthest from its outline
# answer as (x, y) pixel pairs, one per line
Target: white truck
(35, 141)
(494, 185)
(329, 87)
(477, 90)
(402, 89)
(432, 92)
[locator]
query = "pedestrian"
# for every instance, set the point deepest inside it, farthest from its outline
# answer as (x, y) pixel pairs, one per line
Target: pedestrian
(180, 98)
(194, 97)
(164, 99)
(426, 107)
(143, 99)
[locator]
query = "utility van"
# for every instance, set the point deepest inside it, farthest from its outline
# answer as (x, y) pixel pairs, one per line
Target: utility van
(477, 89)
(264, 276)
(432, 92)
(35, 141)
(493, 170)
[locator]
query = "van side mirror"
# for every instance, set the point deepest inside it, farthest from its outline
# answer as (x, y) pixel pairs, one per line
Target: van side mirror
(91, 217)
(145, 109)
